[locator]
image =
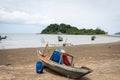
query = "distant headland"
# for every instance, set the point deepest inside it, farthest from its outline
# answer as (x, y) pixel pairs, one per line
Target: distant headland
(118, 33)
(68, 29)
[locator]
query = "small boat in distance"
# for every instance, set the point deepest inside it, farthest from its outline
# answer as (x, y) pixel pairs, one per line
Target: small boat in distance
(60, 38)
(3, 37)
(62, 63)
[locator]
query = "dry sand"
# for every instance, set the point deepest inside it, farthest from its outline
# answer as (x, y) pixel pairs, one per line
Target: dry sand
(103, 59)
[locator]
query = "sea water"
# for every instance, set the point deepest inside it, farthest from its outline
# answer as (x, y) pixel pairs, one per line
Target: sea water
(39, 40)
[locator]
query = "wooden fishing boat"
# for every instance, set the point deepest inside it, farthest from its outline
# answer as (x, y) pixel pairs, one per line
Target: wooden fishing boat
(67, 70)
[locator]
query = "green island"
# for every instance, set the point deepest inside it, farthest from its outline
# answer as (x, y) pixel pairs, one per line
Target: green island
(68, 29)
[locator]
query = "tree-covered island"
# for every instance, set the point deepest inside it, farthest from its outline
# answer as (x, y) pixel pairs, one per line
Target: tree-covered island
(68, 29)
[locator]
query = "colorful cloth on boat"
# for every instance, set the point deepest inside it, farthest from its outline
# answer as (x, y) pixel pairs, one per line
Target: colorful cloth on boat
(56, 56)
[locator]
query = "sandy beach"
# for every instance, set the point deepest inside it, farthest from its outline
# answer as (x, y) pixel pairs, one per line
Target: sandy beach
(103, 59)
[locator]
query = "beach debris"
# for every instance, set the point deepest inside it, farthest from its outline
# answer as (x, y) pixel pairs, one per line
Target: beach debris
(109, 47)
(8, 64)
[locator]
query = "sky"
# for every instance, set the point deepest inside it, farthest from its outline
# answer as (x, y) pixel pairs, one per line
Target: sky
(32, 16)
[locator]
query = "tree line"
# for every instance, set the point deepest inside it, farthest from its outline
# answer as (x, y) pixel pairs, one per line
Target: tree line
(68, 29)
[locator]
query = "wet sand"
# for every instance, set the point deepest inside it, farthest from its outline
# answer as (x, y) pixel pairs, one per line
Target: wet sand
(103, 59)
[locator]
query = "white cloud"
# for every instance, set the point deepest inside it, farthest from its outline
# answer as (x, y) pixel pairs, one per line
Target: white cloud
(79, 13)
(18, 17)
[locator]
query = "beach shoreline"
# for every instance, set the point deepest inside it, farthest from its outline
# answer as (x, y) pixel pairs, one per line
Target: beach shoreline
(103, 59)
(15, 41)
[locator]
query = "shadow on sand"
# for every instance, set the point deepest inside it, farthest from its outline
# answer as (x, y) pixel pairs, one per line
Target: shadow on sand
(57, 74)
(83, 78)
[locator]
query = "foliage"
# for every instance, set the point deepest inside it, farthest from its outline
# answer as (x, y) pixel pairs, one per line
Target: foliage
(68, 29)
